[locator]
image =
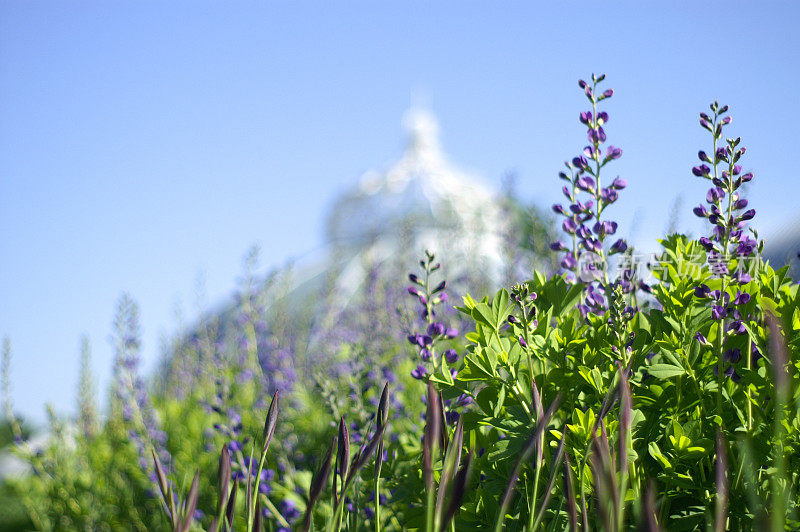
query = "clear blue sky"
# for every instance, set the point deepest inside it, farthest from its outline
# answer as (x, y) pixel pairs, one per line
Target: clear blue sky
(145, 143)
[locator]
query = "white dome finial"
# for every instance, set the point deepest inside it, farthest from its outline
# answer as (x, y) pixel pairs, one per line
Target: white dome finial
(423, 131)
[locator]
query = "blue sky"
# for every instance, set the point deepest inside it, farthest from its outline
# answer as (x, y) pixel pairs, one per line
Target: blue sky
(146, 144)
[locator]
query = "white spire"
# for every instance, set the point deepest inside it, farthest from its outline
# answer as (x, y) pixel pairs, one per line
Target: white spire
(423, 133)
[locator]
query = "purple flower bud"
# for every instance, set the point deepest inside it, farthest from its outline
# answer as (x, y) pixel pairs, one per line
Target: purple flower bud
(742, 277)
(740, 204)
(597, 135)
(567, 192)
(715, 194)
(737, 169)
(746, 246)
(700, 211)
(613, 153)
(569, 226)
(725, 121)
(737, 327)
(436, 329)
(747, 177)
(451, 355)
(619, 183)
(602, 117)
(569, 262)
(605, 228)
(732, 355)
(414, 291)
(586, 117)
(582, 84)
(451, 332)
(425, 354)
(609, 195)
(703, 157)
(592, 244)
(464, 400)
(558, 209)
(522, 341)
(581, 163)
(748, 215)
(718, 312)
(618, 247)
(584, 232)
(419, 373)
(701, 339)
(702, 291)
(585, 183)
(608, 94)
(413, 278)
(558, 246)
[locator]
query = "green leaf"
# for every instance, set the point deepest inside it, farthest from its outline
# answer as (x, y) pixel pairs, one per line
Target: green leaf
(665, 371)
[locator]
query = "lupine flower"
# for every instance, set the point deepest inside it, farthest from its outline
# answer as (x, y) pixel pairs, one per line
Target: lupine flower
(584, 176)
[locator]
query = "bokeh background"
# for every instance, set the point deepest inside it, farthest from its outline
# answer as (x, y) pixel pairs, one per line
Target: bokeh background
(144, 147)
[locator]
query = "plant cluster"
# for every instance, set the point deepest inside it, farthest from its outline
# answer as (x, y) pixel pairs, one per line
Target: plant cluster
(569, 401)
